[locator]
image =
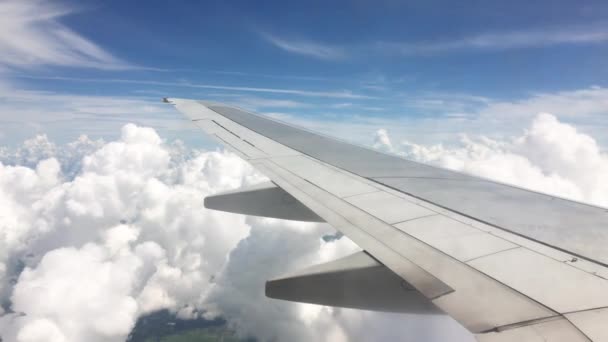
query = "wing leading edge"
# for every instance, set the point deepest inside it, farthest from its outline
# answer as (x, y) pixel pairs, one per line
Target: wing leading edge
(505, 262)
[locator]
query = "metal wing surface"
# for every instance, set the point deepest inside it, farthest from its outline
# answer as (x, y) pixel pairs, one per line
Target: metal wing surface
(505, 262)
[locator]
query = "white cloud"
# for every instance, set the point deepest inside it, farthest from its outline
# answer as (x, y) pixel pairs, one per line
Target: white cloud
(551, 157)
(382, 141)
(41, 330)
(34, 150)
(307, 48)
(85, 293)
(31, 35)
(88, 276)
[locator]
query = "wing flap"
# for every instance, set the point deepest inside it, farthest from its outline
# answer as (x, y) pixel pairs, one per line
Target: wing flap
(357, 281)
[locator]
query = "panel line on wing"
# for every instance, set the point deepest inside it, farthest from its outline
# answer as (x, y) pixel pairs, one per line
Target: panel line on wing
(247, 141)
(489, 223)
(415, 218)
(490, 254)
(229, 131)
(365, 193)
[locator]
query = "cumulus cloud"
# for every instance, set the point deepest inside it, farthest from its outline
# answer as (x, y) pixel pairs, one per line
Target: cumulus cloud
(550, 156)
(95, 234)
(39, 148)
(85, 294)
(31, 35)
(84, 255)
(382, 141)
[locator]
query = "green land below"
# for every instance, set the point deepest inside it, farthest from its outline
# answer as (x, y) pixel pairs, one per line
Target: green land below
(162, 326)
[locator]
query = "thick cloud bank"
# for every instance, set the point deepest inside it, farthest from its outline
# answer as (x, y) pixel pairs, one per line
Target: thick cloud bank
(94, 235)
(84, 256)
(551, 157)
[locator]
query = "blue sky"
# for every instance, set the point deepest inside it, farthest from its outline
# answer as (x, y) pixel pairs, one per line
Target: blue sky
(426, 72)
(429, 70)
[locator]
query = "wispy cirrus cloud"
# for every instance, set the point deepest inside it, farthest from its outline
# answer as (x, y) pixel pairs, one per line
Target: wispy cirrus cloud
(342, 94)
(477, 42)
(533, 38)
(306, 47)
(272, 76)
(31, 35)
(258, 102)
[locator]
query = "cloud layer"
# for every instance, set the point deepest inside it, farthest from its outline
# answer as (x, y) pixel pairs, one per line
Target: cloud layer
(125, 236)
(94, 235)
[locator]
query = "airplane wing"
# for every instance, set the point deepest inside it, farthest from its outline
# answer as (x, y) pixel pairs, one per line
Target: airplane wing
(507, 263)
